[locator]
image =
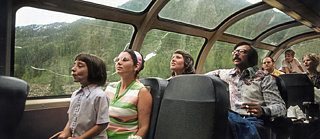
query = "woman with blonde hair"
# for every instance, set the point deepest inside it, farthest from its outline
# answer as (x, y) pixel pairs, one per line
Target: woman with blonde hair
(311, 62)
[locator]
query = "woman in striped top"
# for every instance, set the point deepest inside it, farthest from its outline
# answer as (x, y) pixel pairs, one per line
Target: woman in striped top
(130, 103)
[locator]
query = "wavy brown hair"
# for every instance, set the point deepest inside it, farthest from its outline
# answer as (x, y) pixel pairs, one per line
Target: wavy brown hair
(314, 57)
(188, 62)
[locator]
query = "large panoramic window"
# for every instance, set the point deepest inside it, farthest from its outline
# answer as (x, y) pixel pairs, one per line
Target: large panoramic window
(280, 36)
(47, 42)
(302, 49)
(158, 48)
(204, 13)
(261, 54)
(219, 57)
(251, 26)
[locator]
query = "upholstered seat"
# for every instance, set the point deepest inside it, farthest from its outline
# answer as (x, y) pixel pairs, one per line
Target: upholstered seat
(193, 107)
(13, 94)
(300, 91)
(157, 87)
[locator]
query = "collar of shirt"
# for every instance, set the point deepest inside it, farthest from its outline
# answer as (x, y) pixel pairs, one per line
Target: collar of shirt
(247, 72)
(314, 76)
(307, 73)
(87, 90)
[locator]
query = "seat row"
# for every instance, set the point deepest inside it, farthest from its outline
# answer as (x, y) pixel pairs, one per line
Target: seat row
(196, 106)
(298, 90)
(189, 106)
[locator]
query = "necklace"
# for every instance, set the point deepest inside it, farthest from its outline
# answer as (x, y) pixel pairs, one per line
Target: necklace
(116, 97)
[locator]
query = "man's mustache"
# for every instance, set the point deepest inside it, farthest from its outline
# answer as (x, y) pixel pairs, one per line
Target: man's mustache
(236, 58)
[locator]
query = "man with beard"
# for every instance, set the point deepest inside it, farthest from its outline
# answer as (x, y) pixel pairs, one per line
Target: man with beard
(254, 95)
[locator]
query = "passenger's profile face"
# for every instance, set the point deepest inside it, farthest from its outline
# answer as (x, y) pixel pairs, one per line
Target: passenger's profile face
(308, 63)
(288, 57)
(267, 64)
(79, 72)
(177, 63)
(241, 58)
(124, 63)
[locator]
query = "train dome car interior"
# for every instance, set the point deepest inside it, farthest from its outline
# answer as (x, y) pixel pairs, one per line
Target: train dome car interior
(40, 38)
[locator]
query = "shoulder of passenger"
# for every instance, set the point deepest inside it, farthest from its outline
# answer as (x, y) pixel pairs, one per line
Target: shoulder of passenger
(99, 93)
(269, 78)
(144, 92)
(227, 71)
(139, 84)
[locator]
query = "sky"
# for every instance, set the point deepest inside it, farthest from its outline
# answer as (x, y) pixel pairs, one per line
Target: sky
(27, 15)
(254, 1)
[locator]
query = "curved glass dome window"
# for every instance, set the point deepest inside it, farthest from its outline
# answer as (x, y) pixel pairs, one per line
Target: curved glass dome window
(204, 13)
(251, 26)
(302, 49)
(279, 37)
(220, 57)
(46, 43)
(131, 5)
(158, 48)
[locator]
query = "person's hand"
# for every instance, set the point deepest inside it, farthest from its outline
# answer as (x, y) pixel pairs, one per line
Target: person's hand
(64, 135)
(61, 136)
(254, 109)
(290, 70)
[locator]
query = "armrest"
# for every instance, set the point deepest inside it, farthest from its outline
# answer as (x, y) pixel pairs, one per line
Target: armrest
(281, 126)
(311, 107)
(308, 104)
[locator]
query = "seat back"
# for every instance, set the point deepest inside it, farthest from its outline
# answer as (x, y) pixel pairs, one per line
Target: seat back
(193, 107)
(282, 88)
(13, 95)
(157, 87)
(279, 125)
(299, 89)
